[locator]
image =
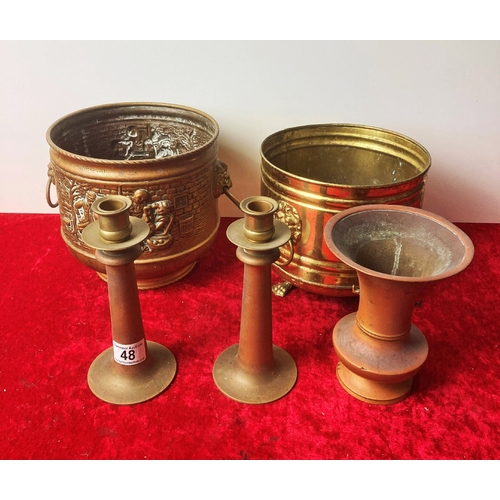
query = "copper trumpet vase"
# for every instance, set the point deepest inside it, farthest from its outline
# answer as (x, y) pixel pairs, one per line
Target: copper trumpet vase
(255, 371)
(395, 251)
(133, 370)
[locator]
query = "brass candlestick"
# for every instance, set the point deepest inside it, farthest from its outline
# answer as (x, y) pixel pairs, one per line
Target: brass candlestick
(395, 251)
(133, 370)
(255, 371)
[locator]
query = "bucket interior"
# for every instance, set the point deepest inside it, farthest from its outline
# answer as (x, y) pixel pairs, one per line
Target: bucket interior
(133, 132)
(346, 155)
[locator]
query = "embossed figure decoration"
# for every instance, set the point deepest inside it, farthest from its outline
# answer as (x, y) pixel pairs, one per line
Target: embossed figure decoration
(83, 210)
(139, 201)
(159, 218)
(152, 140)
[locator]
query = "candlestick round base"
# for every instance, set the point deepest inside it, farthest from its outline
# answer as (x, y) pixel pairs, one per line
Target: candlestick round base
(127, 385)
(244, 387)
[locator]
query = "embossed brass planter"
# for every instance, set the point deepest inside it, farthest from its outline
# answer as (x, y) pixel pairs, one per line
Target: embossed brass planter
(161, 156)
(395, 252)
(316, 171)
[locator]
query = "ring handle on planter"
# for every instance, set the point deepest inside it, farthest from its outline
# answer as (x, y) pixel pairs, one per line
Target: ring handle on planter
(223, 183)
(50, 181)
(232, 197)
(285, 262)
(289, 215)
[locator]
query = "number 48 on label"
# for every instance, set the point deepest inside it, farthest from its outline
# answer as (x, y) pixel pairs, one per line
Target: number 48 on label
(129, 354)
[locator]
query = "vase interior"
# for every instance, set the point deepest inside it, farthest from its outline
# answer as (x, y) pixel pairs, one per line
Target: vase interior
(399, 243)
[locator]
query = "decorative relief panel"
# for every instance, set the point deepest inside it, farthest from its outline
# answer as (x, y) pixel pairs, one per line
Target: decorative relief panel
(159, 217)
(174, 210)
(155, 140)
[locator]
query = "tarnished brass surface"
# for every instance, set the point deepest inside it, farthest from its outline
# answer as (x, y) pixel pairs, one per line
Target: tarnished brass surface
(395, 251)
(115, 232)
(316, 171)
(163, 157)
(150, 374)
(255, 371)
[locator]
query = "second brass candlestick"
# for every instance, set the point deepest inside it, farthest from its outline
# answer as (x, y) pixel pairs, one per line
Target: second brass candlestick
(255, 371)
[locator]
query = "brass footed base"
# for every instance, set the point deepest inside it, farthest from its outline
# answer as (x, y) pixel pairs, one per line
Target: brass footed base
(374, 370)
(126, 385)
(245, 387)
(369, 391)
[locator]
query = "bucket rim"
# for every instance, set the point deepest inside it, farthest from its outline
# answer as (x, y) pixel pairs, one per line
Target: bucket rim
(130, 104)
(352, 126)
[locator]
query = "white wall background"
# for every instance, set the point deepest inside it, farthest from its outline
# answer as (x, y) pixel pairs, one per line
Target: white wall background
(443, 94)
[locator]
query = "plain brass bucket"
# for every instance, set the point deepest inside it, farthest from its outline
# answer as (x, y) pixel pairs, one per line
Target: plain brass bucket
(316, 171)
(161, 156)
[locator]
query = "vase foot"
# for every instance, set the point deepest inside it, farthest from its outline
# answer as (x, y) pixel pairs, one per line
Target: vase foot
(373, 370)
(370, 391)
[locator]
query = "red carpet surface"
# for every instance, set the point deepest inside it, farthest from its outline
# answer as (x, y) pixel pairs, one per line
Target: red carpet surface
(55, 320)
